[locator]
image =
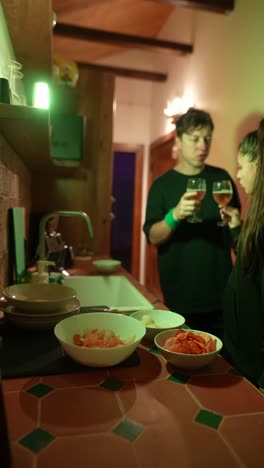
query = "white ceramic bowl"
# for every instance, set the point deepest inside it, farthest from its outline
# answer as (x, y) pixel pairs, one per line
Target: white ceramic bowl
(186, 361)
(122, 325)
(163, 320)
(38, 297)
(41, 321)
(107, 265)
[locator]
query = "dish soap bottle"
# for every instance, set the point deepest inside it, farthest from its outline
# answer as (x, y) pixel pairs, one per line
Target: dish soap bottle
(41, 275)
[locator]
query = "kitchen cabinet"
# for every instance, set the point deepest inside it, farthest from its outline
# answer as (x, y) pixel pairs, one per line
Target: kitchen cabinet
(55, 185)
(28, 35)
(27, 130)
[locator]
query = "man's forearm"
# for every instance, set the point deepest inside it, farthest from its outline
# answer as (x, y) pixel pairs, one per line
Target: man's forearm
(160, 232)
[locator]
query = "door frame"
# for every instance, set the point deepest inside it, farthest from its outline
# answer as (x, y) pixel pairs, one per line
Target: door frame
(138, 150)
(151, 252)
(157, 143)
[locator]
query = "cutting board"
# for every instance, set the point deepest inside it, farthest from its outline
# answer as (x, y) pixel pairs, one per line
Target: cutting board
(18, 234)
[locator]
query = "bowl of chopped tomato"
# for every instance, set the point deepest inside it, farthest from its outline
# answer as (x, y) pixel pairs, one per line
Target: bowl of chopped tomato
(99, 339)
(188, 349)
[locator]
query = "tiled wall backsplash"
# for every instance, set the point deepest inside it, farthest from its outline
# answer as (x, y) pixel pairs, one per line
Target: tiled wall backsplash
(14, 191)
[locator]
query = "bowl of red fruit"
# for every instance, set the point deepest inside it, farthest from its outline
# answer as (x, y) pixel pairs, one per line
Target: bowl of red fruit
(99, 339)
(188, 349)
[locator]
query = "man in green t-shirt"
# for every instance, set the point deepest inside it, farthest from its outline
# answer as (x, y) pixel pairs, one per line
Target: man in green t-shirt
(194, 259)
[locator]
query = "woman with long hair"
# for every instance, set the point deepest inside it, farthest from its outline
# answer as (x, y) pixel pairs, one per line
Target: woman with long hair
(244, 294)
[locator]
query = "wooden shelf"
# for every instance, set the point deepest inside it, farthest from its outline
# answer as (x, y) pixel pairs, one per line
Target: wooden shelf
(27, 131)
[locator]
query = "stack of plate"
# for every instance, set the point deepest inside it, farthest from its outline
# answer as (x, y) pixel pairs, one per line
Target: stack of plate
(39, 306)
(41, 321)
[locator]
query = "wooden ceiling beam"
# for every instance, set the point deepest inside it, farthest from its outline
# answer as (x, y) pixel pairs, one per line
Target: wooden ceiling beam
(126, 72)
(66, 6)
(121, 40)
(218, 6)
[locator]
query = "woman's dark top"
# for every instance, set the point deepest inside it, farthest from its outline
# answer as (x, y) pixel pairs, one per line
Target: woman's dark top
(244, 321)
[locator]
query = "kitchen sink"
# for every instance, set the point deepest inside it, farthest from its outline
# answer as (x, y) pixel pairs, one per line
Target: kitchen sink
(114, 291)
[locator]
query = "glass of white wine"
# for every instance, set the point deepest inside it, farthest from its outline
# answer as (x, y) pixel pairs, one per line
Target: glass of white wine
(222, 194)
(197, 185)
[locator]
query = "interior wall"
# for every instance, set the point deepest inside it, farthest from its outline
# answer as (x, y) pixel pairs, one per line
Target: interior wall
(224, 73)
(132, 115)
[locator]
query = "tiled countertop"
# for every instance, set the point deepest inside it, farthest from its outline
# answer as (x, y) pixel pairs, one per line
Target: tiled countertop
(150, 415)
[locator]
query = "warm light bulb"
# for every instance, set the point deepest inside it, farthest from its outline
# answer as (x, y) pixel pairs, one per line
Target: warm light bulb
(174, 107)
(54, 19)
(41, 95)
(179, 105)
(188, 101)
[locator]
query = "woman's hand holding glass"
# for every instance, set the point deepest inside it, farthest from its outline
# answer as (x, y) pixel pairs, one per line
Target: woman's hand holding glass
(230, 216)
(222, 194)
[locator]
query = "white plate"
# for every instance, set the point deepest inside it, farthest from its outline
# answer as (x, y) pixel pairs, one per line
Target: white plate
(40, 322)
(70, 306)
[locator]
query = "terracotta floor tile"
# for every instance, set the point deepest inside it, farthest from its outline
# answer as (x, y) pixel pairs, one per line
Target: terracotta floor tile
(219, 366)
(11, 385)
(78, 410)
(149, 368)
(24, 405)
(98, 451)
(94, 377)
(245, 434)
(21, 457)
(224, 397)
(183, 446)
(158, 402)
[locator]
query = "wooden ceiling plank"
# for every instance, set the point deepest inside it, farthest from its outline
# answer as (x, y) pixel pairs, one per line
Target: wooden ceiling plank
(124, 40)
(126, 72)
(218, 6)
(62, 6)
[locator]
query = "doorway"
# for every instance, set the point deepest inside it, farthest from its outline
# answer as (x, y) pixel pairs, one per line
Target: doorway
(127, 199)
(160, 161)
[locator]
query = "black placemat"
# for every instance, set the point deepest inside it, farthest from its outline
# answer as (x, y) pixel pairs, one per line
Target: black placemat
(27, 353)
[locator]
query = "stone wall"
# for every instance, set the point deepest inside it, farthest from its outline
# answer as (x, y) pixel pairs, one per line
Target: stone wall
(14, 191)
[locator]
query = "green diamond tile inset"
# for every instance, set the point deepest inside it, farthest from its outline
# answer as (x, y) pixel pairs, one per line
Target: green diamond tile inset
(37, 440)
(179, 378)
(112, 384)
(40, 390)
(128, 429)
(208, 418)
(154, 350)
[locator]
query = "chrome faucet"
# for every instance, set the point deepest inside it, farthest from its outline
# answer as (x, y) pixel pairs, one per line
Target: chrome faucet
(45, 218)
